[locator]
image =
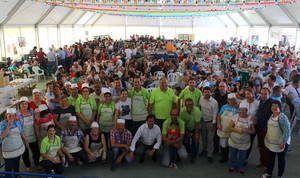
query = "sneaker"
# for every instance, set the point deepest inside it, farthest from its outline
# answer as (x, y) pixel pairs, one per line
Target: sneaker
(209, 159)
(66, 164)
(266, 176)
(175, 166)
(28, 169)
(79, 163)
(170, 165)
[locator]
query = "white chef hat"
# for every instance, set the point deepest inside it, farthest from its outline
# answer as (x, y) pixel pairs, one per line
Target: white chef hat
(231, 96)
(11, 111)
(94, 124)
(85, 85)
(42, 107)
(72, 118)
(244, 105)
(121, 121)
(68, 83)
(36, 91)
(24, 99)
(74, 85)
(60, 66)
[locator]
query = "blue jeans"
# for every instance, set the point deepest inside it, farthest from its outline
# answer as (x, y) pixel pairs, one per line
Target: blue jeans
(116, 153)
(237, 158)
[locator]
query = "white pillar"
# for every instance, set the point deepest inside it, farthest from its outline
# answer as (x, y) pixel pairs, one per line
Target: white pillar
(297, 40)
(125, 27)
(2, 42)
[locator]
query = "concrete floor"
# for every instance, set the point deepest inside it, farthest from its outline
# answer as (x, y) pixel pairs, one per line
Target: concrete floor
(201, 169)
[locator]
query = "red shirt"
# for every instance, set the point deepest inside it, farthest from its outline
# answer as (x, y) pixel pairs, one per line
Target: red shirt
(33, 106)
(46, 119)
(40, 56)
(173, 134)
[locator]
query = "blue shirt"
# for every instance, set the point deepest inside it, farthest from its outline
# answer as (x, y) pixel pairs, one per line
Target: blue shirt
(62, 55)
(226, 107)
(3, 126)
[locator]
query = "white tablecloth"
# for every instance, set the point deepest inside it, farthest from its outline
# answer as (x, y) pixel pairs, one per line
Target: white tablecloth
(22, 82)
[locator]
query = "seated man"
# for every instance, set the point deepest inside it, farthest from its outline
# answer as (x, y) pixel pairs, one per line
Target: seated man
(72, 139)
(120, 143)
(173, 134)
(148, 137)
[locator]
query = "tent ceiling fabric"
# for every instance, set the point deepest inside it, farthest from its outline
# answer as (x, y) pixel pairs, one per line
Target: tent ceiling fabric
(30, 12)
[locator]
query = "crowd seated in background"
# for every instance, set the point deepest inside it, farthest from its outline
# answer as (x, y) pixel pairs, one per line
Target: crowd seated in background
(115, 100)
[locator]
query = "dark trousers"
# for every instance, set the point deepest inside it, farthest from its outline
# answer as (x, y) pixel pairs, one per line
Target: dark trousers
(129, 126)
(160, 123)
(173, 154)
(81, 156)
(281, 161)
(216, 142)
(49, 166)
(263, 150)
(107, 139)
(142, 148)
(34, 147)
(249, 150)
(12, 164)
(191, 145)
(136, 125)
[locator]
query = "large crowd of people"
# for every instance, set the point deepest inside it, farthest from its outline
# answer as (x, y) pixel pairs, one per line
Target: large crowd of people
(118, 101)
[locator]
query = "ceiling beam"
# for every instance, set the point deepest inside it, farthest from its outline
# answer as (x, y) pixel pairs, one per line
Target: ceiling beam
(76, 21)
(100, 16)
(221, 21)
(66, 16)
(233, 21)
(92, 16)
(245, 18)
(43, 17)
(289, 15)
(266, 21)
(13, 11)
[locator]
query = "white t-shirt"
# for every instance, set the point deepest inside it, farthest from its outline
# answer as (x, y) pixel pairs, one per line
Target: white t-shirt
(125, 109)
(291, 92)
(128, 53)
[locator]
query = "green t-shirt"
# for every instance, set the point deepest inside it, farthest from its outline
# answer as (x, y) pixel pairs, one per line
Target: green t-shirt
(143, 92)
(46, 144)
(190, 118)
(112, 105)
(194, 95)
(72, 100)
(81, 101)
(162, 102)
(167, 126)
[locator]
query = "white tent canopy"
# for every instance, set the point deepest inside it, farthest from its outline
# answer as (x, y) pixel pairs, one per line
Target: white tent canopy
(44, 25)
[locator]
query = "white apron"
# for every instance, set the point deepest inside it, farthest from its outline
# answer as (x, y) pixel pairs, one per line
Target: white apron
(240, 141)
(106, 119)
(87, 112)
(226, 117)
(29, 129)
(274, 136)
(138, 109)
(12, 145)
(96, 149)
(72, 144)
(53, 152)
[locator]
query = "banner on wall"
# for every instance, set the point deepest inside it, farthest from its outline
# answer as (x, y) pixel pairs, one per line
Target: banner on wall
(22, 41)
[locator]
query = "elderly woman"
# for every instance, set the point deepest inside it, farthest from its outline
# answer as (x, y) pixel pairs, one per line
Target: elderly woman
(36, 99)
(95, 144)
(85, 108)
(52, 157)
(277, 139)
(241, 128)
(26, 117)
(11, 134)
